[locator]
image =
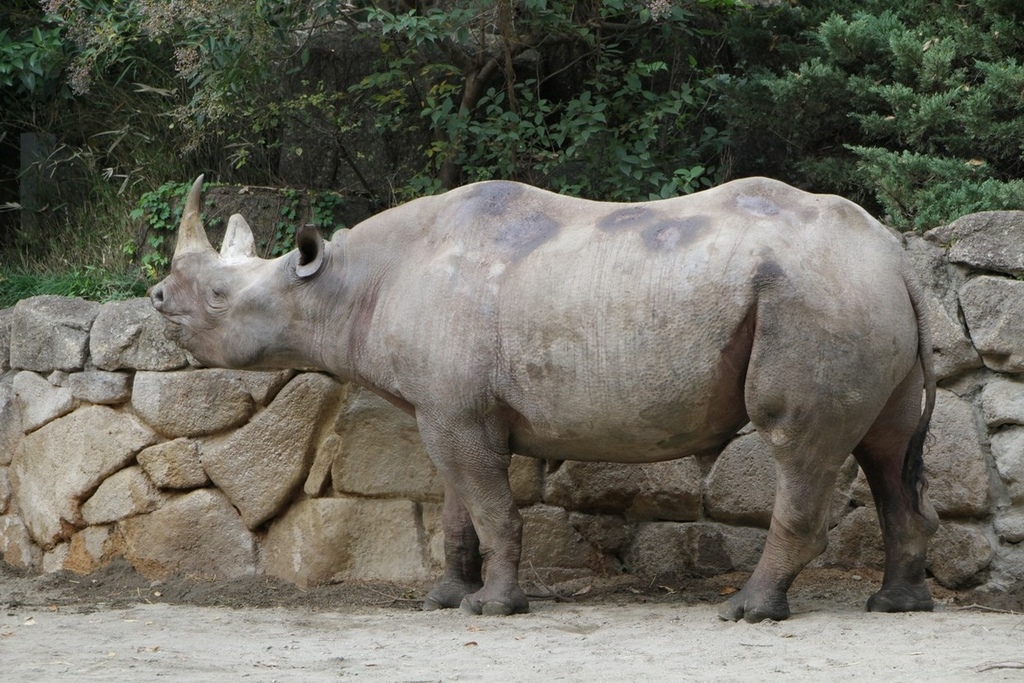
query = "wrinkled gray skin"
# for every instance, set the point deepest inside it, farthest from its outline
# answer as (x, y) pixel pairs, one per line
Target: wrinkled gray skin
(507, 319)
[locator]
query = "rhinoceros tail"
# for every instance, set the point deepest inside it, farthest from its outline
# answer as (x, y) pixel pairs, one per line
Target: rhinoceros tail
(913, 461)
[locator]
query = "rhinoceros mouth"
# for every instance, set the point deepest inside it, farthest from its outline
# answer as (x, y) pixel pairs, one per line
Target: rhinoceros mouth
(175, 330)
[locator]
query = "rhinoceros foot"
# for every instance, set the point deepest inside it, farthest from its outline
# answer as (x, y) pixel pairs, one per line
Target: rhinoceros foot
(754, 608)
(515, 603)
(901, 598)
(448, 594)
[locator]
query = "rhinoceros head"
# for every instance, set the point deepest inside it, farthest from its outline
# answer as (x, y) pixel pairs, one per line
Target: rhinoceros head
(232, 309)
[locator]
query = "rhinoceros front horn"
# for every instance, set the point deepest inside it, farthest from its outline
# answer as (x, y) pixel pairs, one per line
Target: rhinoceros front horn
(191, 233)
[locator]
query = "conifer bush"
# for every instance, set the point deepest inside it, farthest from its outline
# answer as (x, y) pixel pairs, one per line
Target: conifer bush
(915, 109)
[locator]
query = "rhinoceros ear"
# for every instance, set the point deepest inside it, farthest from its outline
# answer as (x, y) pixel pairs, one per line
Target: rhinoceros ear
(191, 233)
(310, 246)
(238, 242)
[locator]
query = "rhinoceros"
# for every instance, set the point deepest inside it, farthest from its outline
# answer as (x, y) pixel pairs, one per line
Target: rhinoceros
(508, 319)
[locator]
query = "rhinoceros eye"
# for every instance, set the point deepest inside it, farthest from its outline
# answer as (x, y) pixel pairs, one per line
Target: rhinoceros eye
(218, 293)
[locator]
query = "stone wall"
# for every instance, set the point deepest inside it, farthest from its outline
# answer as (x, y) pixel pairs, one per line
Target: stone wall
(112, 444)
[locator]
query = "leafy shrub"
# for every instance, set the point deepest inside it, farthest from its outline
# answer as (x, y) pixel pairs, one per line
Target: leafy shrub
(912, 108)
(605, 100)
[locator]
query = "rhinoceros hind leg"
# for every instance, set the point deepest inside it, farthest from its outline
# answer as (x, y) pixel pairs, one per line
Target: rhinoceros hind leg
(905, 529)
(903, 598)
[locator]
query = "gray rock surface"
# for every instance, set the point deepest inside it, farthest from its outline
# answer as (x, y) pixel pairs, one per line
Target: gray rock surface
(657, 491)
(191, 402)
(198, 534)
(40, 401)
(174, 464)
(957, 553)
(663, 550)
(130, 335)
(51, 333)
(99, 387)
(955, 463)
(123, 494)
(994, 310)
(260, 466)
(11, 430)
(988, 240)
(1002, 402)
(56, 466)
(325, 539)
(379, 452)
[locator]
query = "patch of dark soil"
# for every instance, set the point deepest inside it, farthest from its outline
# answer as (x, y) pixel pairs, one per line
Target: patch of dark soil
(1010, 600)
(118, 585)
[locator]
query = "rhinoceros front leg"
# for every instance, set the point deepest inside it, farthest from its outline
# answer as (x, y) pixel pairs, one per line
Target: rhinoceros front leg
(473, 459)
(462, 561)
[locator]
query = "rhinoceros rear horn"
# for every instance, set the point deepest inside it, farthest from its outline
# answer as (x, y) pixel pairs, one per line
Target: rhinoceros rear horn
(191, 233)
(238, 240)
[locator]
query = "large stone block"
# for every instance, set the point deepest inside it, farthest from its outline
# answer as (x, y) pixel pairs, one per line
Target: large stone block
(56, 466)
(955, 465)
(16, 546)
(1008, 453)
(994, 310)
(1009, 525)
(198, 534)
(656, 491)
(525, 476)
(11, 430)
(856, 542)
(379, 452)
(936, 275)
(989, 240)
(667, 550)
(264, 385)
(553, 548)
(92, 548)
(327, 539)
(953, 352)
(741, 486)
(122, 494)
(609, 534)
(130, 335)
(260, 466)
(174, 464)
(54, 559)
(1002, 403)
(191, 402)
(5, 489)
(958, 553)
(51, 333)
(101, 388)
(40, 401)
(6, 322)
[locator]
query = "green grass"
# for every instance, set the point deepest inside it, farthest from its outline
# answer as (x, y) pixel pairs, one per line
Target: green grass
(88, 282)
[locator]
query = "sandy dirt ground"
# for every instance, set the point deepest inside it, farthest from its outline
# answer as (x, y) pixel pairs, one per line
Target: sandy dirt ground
(115, 625)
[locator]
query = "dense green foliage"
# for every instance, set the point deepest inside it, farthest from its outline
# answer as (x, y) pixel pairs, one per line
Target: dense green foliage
(914, 108)
(604, 100)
